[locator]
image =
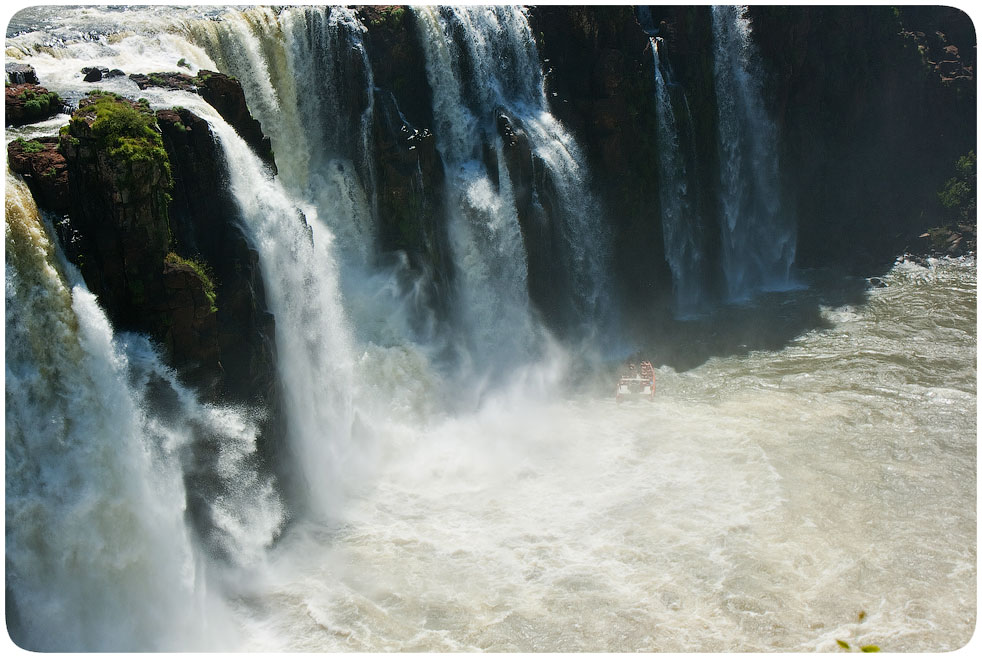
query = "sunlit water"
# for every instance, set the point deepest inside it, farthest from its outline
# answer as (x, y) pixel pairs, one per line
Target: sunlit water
(760, 502)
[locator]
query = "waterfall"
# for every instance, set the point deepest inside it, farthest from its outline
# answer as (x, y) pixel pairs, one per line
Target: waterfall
(314, 344)
(99, 438)
(482, 65)
(306, 77)
(680, 222)
(485, 236)
(758, 237)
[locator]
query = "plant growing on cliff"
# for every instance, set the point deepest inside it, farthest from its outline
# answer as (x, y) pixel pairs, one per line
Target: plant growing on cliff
(958, 193)
(125, 129)
(203, 273)
(32, 146)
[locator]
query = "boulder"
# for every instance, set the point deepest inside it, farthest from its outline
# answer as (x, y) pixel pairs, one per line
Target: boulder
(94, 73)
(20, 73)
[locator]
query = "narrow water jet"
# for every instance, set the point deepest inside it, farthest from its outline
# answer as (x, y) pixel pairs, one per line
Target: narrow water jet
(758, 235)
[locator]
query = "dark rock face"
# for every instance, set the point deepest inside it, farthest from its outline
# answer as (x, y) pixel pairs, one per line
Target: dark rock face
(119, 192)
(43, 167)
(203, 219)
(225, 95)
(409, 173)
(874, 106)
(189, 316)
(29, 103)
(600, 85)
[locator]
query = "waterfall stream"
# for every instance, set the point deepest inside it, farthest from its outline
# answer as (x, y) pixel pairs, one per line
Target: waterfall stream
(483, 65)
(96, 469)
(679, 220)
(478, 501)
(757, 234)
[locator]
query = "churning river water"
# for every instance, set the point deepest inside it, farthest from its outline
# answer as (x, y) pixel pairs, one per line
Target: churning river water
(761, 502)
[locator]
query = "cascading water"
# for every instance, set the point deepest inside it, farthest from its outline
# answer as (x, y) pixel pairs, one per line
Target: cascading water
(679, 220)
(307, 78)
(484, 230)
(95, 491)
(314, 344)
(758, 237)
(482, 63)
(761, 501)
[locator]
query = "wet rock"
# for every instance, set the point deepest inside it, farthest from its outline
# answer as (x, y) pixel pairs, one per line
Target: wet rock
(189, 323)
(225, 94)
(94, 73)
(20, 73)
(167, 80)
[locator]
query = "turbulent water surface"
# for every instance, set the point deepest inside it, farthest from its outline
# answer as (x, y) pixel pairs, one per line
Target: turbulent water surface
(762, 501)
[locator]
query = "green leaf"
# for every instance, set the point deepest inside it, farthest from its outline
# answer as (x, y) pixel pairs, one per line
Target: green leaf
(842, 643)
(869, 648)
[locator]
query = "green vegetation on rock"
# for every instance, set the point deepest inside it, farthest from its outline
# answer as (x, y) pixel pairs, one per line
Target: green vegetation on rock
(203, 273)
(37, 102)
(390, 16)
(958, 193)
(125, 129)
(32, 146)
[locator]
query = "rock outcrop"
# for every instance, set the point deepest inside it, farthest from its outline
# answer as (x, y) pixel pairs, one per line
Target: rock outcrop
(44, 169)
(204, 223)
(119, 184)
(20, 73)
(152, 226)
(29, 103)
(222, 92)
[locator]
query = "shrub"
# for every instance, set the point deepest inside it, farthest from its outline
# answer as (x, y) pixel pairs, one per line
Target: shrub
(958, 193)
(36, 102)
(32, 146)
(127, 131)
(203, 273)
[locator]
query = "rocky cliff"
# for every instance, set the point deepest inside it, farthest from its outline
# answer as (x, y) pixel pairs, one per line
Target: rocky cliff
(151, 225)
(874, 106)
